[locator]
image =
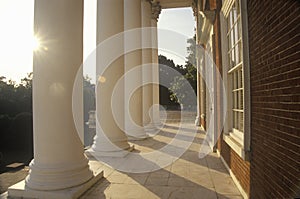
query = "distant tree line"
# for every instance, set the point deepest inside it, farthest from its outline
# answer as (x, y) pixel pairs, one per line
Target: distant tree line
(16, 116)
(16, 122)
(176, 85)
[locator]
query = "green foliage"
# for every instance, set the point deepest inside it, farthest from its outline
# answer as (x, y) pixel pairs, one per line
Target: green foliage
(164, 92)
(16, 116)
(89, 98)
(15, 98)
(191, 49)
(16, 127)
(178, 88)
(163, 60)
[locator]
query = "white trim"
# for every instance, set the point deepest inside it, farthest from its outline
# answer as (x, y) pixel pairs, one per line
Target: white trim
(237, 136)
(241, 148)
(4, 195)
(246, 61)
(235, 145)
(227, 4)
(235, 180)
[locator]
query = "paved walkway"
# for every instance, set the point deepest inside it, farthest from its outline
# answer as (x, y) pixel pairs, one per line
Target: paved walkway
(187, 177)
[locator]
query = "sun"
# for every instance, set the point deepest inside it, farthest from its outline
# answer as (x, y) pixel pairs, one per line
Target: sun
(35, 43)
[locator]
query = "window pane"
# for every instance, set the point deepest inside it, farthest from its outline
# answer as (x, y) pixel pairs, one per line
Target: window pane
(240, 51)
(233, 61)
(232, 41)
(235, 77)
(239, 28)
(230, 21)
(237, 54)
(241, 78)
(242, 99)
(241, 122)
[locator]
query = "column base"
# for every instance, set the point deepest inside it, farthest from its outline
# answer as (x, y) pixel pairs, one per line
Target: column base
(149, 128)
(203, 121)
(136, 134)
(20, 190)
(158, 124)
(133, 138)
(198, 121)
(51, 177)
(91, 153)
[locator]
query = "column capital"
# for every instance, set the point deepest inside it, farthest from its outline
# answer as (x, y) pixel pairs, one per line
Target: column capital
(156, 9)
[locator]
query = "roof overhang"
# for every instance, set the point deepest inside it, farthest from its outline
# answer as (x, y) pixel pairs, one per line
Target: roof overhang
(175, 3)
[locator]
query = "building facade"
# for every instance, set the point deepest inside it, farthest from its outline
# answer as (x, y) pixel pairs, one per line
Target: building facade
(254, 122)
(256, 49)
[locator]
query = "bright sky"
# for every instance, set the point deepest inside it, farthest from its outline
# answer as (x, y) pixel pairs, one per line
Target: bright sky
(16, 35)
(181, 23)
(16, 22)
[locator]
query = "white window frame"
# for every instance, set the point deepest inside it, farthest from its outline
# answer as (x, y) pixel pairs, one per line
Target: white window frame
(238, 141)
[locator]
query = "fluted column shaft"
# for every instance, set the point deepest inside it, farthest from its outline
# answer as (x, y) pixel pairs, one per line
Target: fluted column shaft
(133, 69)
(110, 139)
(59, 160)
(155, 69)
(147, 66)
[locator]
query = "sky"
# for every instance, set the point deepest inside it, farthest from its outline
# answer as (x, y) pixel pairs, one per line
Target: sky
(16, 35)
(16, 30)
(181, 23)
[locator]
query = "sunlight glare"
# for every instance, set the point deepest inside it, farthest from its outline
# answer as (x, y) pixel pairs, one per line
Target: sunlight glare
(35, 43)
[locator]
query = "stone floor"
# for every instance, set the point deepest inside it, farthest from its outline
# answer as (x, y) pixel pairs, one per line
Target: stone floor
(11, 177)
(182, 173)
(186, 177)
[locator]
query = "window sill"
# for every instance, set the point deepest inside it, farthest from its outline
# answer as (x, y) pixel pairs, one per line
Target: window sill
(236, 146)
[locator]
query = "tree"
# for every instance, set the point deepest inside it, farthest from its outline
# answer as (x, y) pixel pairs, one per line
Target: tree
(16, 127)
(191, 50)
(179, 87)
(167, 69)
(89, 98)
(15, 98)
(181, 92)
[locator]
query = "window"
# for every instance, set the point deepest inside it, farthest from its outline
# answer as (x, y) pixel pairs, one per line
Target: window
(236, 75)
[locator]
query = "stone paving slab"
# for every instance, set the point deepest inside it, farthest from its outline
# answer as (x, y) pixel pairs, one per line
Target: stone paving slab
(187, 177)
(12, 177)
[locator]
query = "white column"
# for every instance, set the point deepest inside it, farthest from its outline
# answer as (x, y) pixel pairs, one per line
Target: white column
(59, 161)
(110, 139)
(147, 67)
(202, 89)
(200, 56)
(198, 117)
(198, 62)
(156, 8)
(133, 62)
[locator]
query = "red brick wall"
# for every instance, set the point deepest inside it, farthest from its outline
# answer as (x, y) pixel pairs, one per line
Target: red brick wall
(239, 167)
(274, 40)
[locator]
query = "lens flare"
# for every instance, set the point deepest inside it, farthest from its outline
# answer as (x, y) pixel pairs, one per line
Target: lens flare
(35, 43)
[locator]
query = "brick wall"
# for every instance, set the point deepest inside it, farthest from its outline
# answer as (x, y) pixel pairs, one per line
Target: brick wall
(274, 39)
(239, 167)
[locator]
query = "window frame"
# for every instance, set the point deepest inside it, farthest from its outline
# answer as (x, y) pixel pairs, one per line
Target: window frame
(241, 145)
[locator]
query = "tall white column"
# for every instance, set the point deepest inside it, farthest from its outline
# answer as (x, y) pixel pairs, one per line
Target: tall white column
(200, 57)
(110, 139)
(202, 89)
(133, 62)
(198, 63)
(59, 161)
(156, 9)
(147, 66)
(198, 117)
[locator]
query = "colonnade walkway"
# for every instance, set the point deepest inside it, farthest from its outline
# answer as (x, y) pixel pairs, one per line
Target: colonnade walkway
(186, 177)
